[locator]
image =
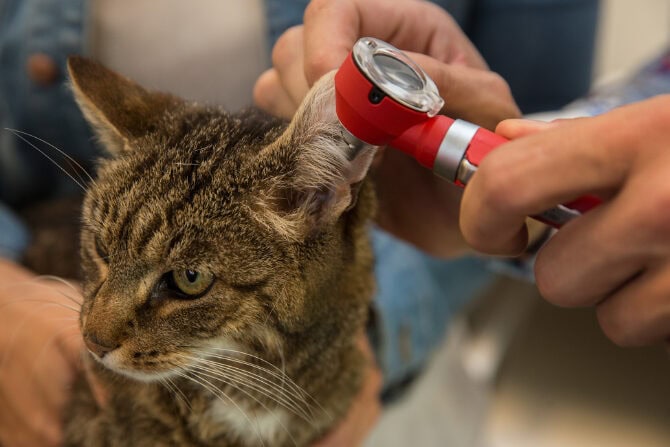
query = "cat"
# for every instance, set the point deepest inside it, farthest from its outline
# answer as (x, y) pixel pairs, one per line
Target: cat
(227, 271)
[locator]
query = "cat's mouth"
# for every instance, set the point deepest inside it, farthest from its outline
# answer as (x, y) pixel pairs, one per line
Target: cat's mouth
(147, 366)
(154, 365)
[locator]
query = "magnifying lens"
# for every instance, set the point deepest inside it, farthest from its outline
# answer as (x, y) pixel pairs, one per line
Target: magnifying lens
(385, 98)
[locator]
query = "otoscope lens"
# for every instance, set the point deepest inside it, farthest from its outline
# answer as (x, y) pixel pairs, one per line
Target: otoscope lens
(398, 72)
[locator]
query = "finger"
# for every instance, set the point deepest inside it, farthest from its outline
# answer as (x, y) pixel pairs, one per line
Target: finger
(639, 313)
(287, 59)
(269, 95)
(332, 28)
(478, 96)
(517, 128)
(536, 172)
(591, 257)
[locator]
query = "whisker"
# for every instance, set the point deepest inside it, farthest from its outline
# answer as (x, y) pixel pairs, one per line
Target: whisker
(60, 292)
(20, 325)
(37, 300)
(60, 280)
(218, 394)
(201, 374)
(297, 388)
(239, 375)
(292, 383)
(180, 393)
(283, 377)
(180, 163)
(68, 157)
(48, 343)
(49, 158)
(36, 282)
(170, 387)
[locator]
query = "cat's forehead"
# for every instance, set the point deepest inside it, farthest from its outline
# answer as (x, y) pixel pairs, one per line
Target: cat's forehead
(189, 178)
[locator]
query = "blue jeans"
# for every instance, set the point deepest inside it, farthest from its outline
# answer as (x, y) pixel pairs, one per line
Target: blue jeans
(28, 27)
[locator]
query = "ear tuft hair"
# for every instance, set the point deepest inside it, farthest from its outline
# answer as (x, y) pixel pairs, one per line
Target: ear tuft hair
(324, 182)
(118, 108)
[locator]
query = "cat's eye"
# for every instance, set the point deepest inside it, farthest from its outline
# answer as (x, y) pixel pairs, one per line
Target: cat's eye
(193, 283)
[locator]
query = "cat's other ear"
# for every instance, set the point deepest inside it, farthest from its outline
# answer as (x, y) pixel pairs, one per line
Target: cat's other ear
(326, 172)
(118, 108)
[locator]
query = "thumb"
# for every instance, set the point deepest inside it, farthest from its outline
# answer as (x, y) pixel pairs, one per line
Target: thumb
(517, 128)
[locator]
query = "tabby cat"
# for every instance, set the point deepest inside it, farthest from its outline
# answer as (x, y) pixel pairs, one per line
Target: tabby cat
(227, 270)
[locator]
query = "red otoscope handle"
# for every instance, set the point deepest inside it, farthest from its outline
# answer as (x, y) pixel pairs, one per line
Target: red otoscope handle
(453, 149)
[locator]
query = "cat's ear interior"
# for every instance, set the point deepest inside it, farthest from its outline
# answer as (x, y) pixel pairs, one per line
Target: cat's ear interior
(118, 108)
(326, 174)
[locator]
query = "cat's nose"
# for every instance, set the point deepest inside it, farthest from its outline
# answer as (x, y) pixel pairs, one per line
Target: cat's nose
(98, 348)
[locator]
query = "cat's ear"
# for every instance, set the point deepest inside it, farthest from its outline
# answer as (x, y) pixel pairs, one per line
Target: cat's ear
(325, 171)
(118, 108)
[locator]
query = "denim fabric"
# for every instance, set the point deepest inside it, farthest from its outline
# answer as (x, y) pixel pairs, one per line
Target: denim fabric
(416, 296)
(27, 27)
(13, 236)
(543, 48)
(54, 28)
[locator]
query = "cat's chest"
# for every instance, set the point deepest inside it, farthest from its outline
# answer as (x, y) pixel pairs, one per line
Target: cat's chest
(250, 426)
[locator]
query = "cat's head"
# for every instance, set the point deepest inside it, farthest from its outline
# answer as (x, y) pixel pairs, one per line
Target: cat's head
(206, 230)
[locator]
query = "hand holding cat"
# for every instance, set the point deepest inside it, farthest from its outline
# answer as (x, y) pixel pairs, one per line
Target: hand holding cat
(37, 370)
(617, 256)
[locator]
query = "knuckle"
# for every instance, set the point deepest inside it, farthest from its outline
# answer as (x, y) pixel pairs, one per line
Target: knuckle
(498, 192)
(264, 91)
(651, 212)
(314, 8)
(498, 84)
(317, 65)
(616, 327)
(506, 106)
(288, 44)
(661, 117)
(550, 285)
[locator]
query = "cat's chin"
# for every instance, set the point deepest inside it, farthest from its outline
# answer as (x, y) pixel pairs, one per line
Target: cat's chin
(148, 376)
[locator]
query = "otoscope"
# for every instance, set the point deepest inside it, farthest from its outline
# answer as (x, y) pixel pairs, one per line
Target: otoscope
(385, 98)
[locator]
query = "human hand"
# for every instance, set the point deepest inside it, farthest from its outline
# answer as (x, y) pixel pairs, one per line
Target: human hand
(414, 204)
(39, 352)
(363, 412)
(305, 53)
(615, 257)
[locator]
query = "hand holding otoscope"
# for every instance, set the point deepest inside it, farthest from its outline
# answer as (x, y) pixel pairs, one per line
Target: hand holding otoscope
(384, 98)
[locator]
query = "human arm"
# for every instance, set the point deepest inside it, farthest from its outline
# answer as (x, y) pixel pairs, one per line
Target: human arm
(615, 257)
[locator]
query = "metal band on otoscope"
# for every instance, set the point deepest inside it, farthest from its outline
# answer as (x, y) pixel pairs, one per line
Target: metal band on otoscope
(452, 149)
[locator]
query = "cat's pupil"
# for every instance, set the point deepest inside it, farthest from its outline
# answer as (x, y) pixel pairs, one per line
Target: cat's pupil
(191, 275)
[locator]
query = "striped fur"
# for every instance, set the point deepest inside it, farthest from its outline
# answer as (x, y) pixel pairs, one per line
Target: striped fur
(263, 205)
